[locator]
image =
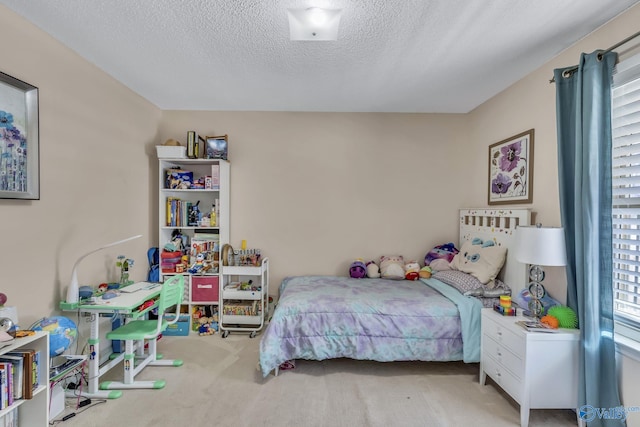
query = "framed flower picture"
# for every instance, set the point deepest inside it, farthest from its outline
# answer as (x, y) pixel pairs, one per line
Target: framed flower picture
(511, 170)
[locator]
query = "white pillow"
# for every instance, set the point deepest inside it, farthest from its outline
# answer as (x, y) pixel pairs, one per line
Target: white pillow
(483, 260)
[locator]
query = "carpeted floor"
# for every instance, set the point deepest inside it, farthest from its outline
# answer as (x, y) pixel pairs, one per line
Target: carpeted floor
(219, 384)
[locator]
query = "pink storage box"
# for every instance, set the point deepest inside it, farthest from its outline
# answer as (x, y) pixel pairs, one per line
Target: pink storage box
(204, 288)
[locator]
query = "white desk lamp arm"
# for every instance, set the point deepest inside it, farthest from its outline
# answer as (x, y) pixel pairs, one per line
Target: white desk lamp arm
(73, 290)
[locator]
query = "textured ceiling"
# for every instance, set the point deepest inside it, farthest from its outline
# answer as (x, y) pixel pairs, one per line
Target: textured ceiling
(390, 56)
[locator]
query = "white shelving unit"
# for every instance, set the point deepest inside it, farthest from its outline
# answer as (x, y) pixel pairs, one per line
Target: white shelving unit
(200, 290)
(35, 411)
(252, 302)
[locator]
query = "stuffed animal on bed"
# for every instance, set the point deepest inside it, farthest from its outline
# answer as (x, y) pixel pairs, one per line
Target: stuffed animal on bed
(392, 267)
(358, 270)
(444, 252)
(425, 272)
(373, 271)
(411, 270)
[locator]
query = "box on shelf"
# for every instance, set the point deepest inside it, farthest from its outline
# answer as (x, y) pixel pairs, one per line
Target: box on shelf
(204, 288)
(171, 152)
(180, 328)
(169, 261)
(178, 179)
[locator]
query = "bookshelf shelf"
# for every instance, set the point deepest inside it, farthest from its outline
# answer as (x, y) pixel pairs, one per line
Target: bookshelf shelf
(34, 411)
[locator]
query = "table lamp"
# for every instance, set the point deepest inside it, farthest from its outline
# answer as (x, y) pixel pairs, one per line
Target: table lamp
(73, 292)
(539, 246)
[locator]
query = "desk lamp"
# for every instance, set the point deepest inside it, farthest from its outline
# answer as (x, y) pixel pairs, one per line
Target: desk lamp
(73, 290)
(539, 246)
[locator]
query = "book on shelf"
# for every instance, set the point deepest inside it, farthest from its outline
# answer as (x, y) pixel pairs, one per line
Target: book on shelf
(535, 326)
(6, 384)
(17, 363)
(31, 359)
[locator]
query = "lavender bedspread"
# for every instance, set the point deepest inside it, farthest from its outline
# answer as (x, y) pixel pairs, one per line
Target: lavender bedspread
(325, 317)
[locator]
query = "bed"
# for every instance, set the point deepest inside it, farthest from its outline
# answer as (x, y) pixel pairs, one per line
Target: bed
(326, 317)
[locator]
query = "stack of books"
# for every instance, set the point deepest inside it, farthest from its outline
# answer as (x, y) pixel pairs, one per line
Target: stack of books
(19, 376)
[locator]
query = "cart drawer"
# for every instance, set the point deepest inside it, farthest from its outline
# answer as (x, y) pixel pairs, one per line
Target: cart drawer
(204, 288)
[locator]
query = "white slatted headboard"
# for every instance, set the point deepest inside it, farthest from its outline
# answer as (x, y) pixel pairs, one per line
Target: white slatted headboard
(498, 225)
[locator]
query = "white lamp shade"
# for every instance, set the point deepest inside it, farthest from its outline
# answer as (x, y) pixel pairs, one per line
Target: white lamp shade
(540, 245)
(314, 24)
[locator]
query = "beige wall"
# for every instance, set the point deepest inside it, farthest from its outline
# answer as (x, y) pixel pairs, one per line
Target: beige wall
(314, 191)
(96, 138)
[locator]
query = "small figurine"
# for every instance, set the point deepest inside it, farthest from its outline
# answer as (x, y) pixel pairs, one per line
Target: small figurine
(198, 265)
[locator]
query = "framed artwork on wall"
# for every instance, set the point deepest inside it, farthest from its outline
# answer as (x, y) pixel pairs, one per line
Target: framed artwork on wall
(511, 170)
(19, 140)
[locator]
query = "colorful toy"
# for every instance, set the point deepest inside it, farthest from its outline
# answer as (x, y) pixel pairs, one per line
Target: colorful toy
(425, 272)
(198, 265)
(373, 271)
(3, 299)
(411, 270)
(358, 270)
(550, 320)
(446, 251)
(205, 326)
(566, 316)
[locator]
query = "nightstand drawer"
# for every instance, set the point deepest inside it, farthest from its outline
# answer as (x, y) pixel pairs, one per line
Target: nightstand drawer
(502, 356)
(503, 336)
(502, 377)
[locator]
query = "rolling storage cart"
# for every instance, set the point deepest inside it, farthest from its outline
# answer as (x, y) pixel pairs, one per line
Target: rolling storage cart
(244, 293)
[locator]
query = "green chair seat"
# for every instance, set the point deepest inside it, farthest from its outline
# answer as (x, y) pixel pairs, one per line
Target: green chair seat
(136, 330)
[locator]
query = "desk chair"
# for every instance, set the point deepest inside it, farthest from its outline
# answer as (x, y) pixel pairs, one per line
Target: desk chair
(136, 332)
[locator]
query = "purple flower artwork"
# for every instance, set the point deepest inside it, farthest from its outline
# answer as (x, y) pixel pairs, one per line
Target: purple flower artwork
(500, 184)
(510, 173)
(510, 156)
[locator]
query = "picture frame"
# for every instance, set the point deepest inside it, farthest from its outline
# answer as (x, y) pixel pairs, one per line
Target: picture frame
(19, 140)
(216, 147)
(511, 170)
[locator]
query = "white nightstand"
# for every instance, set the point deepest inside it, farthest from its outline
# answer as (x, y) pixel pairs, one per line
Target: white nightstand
(539, 370)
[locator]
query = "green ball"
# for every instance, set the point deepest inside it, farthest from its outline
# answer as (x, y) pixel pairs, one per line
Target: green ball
(567, 318)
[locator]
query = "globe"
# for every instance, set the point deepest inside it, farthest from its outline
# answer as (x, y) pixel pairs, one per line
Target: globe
(62, 333)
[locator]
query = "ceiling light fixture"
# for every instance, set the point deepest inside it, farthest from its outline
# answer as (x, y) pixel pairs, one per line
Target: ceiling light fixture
(314, 24)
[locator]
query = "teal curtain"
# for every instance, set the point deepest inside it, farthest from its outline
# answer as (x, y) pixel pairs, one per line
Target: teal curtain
(583, 109)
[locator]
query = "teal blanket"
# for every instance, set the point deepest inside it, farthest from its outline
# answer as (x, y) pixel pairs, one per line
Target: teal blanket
(469, 308)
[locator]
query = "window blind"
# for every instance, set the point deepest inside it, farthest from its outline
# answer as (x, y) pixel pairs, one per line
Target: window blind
(626, 192)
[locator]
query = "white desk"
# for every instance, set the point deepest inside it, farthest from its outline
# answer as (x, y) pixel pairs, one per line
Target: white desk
(124, 303)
